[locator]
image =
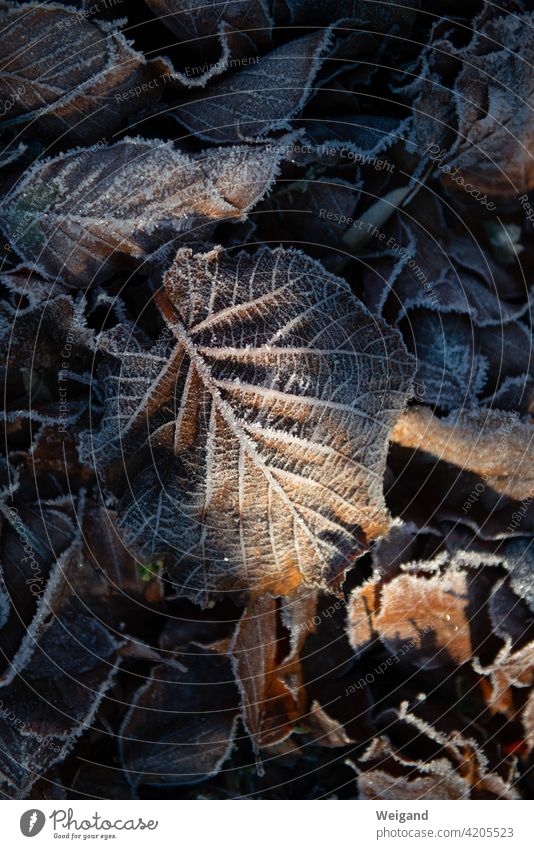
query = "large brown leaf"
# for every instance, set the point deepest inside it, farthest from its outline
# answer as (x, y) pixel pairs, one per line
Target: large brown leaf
(267, 419)
(66, 75)
(85, 209)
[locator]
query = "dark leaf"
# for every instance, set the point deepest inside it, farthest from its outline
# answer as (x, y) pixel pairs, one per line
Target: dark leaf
(181, 724)
(260, 99)
(240, 26)
(66, 75)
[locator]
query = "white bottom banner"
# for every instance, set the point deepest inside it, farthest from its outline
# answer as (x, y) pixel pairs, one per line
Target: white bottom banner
(416, 825)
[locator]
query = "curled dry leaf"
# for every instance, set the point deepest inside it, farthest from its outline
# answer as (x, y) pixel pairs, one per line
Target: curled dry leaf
(402, 546)
(382, 779)
(324, 730)
(509, 670)
(268, 421)
(439, 496)
(379, 784)
(423, 619)
(269, 707)
(495, 445)
(66, 75)
(432, 607)
(459, 768)
(76, 215)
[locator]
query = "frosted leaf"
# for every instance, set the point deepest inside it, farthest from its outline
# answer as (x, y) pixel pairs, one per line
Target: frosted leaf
(55, 701)
(433, 602)
(362, 609)
(79, 213)
(405, 543)
(519, 561)
(181, 724)
(459, 768)
(268, 422)
(324, 729)
(362, 137)
(495, 445)
(34, 337)
(377, 784)
(450, 373)
(449, 273)
(9, 155)
(509, 351)
(259, 99)
(202, 628)
(240, 26)
(527, 719)
(269, 707)
(18, 643)
(421, 609)
(510, 669)
(106, 575)
(510, 616)
(298, 611)
(487, 104)
(439, 496)
(427, 619)
(515, 394)
(67, 75)
(27, 285)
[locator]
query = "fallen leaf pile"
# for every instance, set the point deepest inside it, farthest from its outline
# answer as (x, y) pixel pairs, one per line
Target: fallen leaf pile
(267, 482)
